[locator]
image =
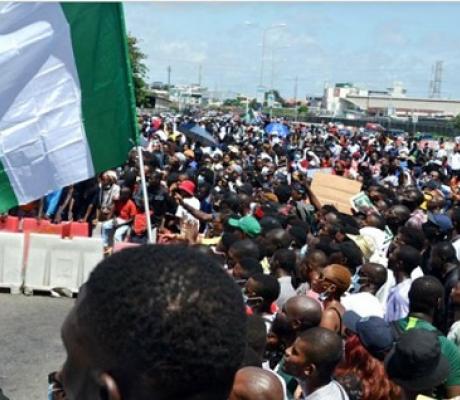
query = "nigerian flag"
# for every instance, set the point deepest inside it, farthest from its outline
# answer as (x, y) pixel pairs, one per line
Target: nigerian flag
(67, 108)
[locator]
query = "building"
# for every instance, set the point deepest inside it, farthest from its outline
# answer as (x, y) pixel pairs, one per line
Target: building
(346, 100)
(332, 104)
(189, 95)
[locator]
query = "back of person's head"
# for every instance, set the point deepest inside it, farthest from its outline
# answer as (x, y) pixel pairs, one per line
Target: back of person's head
(267, 287)
(353, 256)
(455, 215)
(228, 239)
(350, 225)
(412, 237)
(246, 248)
(326, 245)
(445, 251)
(302, 312)
(230, 202)
(277, 239)
(250, 266)
(283, 192)
(253, 383)
(269, 223)
(256, 334)
(294, 221)
(316, 258)
(409, 257)
(285, 259)
(413, 198)
(426, 295)
(325, 349)
(299, 235)
(376, 273)
(154, 316)
(376, 220)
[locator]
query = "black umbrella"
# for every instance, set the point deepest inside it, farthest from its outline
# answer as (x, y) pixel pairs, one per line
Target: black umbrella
(196, 132)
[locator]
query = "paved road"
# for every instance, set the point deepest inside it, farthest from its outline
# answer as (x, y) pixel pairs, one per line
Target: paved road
(30, 343)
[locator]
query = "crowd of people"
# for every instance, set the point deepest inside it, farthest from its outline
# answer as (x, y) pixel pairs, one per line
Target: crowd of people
(256, 289)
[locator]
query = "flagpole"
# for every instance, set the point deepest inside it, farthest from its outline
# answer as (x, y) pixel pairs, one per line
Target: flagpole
(145, 195)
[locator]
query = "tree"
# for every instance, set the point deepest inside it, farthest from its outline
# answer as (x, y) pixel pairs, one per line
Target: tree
(302, 109)
(232, 103)
(139, 69)
(456, 122)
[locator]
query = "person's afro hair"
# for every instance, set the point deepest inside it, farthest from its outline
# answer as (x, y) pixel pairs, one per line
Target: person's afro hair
(166, 315)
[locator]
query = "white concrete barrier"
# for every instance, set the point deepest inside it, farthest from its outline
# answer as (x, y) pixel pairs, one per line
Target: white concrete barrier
(60, 263)
(11, 261)
(92, 253)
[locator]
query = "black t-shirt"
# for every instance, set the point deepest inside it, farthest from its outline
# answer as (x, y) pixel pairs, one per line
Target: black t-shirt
(84, 195)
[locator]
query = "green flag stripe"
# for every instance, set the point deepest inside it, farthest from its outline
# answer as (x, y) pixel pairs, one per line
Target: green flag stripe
(7, 196)
(100, 51)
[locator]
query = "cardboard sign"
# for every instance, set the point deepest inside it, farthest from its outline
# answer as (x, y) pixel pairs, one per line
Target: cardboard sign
(335, 190)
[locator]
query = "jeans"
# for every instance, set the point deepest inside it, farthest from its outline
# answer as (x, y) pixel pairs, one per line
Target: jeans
(107, 228)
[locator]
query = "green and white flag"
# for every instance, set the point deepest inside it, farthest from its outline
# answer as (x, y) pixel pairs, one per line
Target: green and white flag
(67, 108)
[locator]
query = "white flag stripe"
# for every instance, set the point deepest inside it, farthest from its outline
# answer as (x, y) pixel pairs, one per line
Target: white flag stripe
(43, 145)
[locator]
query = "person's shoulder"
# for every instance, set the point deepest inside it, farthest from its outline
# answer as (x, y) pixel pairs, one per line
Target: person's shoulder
(449, 349)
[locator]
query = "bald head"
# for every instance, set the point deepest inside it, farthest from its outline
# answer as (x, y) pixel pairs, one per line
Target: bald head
(277, 239)
(316, 259)
(303, 312)
(376, 275)
(253, 383)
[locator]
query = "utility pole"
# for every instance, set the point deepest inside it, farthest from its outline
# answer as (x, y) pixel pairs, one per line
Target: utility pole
(169, 77)
(199, 75)
(295, 97)
(437, 80)
(435, 83)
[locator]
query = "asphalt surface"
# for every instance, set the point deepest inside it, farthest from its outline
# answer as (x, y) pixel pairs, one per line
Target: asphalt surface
(30, 343)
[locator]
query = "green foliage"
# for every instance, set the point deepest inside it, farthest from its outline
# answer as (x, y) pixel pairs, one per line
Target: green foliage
(302, 110)
(139, 70)
(232, 103)
(456, 122)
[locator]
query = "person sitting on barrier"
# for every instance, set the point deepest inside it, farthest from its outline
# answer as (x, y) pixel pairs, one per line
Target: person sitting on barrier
(154, 322)
(123, 212)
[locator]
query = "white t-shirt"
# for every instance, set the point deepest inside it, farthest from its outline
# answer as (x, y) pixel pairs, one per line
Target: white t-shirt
(332, 391)
(286, 291)
(182, 213)
(456, 244)
(455, 161)
(364, 304)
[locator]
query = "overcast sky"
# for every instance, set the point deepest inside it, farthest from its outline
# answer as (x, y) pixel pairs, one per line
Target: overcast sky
(369, 44)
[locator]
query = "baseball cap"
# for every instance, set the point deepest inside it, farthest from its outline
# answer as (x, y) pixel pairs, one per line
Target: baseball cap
(416, 362)
(249, 225)
(442, 221)
(188, 187)
(374, 332)
(269, 223)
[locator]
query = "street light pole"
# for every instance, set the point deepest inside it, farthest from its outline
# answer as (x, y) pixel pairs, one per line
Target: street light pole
(295, 98)
(264, 35)
(264, 43)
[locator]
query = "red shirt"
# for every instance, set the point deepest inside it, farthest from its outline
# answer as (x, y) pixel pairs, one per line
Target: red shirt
(140, 223)
(126, 210)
